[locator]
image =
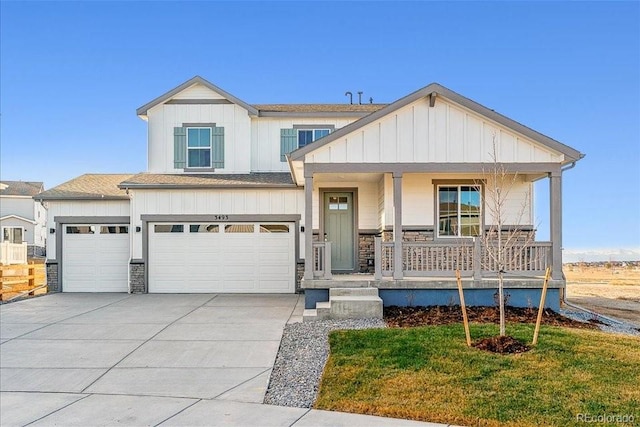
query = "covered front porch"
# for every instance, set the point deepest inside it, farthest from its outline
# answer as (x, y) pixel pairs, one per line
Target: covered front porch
(423, 257)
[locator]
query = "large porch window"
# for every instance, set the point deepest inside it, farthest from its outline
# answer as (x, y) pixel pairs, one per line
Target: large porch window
(459, 210)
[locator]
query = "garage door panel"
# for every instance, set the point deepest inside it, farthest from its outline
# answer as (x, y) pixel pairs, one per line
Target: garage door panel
(274, 285)
(231, 258)
(239, 285)
(278, 270)
(275, 256)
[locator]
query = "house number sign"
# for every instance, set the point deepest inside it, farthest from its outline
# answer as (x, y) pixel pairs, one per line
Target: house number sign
(221, 217)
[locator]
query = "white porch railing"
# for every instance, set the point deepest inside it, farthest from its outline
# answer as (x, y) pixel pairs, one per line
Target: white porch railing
(13, 253)
(321, 260)
(437, 259)
(532, 258)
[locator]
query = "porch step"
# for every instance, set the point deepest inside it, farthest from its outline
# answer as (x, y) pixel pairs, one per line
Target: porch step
(309, 314)
(323, 310)
(347, 303)
(341, 292)
(356, 307)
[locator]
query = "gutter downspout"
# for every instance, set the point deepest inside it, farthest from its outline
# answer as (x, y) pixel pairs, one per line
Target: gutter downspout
(563, 169)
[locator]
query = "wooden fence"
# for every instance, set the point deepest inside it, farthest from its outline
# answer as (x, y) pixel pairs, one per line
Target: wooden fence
(21, 279)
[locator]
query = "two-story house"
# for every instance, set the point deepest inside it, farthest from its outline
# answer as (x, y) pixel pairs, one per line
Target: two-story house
(249, 198)
(22, 220)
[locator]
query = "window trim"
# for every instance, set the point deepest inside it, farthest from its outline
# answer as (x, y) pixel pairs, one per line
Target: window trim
(313, 129)
(11, 227)
(210, 148)
(480, 184)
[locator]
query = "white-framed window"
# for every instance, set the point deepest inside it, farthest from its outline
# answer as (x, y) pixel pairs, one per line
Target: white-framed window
(307, 136)
(13, 234)
(199, 147)
(459, 210)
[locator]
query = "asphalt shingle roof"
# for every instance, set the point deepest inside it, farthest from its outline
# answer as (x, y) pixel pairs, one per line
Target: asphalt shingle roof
(88, 187)
(262, 179)
(20, 188)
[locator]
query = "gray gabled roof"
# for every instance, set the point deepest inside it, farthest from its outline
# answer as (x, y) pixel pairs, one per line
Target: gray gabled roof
(185, 181)
(435, 90)
(21, 188)
(142, 111)
(91, 186)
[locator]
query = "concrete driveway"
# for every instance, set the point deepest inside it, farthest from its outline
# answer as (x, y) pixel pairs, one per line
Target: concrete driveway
(119, 359)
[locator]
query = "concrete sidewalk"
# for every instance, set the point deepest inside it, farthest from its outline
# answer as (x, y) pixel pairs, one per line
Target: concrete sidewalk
(107, 359)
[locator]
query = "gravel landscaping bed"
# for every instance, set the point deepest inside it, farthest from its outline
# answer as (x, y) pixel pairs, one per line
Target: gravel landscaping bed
(604, 323)
(303, 352)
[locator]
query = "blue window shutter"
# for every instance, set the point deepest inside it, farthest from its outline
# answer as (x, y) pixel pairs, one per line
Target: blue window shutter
(179, 148)
(288, 142)
(217, 147)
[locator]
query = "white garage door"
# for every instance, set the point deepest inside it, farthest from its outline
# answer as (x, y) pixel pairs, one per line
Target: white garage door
(222, 257)
(95, 258)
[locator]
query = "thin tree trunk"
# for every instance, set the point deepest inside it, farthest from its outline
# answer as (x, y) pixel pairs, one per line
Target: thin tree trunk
(503, 329)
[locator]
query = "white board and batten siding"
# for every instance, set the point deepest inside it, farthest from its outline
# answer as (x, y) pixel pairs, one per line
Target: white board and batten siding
(445, 133)
(265, 139)
(214, 202)
(83, 208)
(198, 91)
(235, 120)
(419, 198)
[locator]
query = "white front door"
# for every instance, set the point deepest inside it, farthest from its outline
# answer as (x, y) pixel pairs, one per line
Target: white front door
(222, 257)
(95, 258)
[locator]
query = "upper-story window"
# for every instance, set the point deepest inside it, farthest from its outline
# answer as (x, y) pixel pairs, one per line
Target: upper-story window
(301, 135)
(307, 136)
(198, 147)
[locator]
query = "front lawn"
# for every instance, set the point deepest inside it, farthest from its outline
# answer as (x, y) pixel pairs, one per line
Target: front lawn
(429, 374)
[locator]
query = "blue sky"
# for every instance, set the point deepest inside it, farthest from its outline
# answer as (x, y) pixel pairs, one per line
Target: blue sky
(73, 73)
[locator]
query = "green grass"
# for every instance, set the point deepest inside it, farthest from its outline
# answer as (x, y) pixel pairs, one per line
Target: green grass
(429, 374)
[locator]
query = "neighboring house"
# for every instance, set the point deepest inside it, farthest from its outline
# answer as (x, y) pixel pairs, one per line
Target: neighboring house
(249, 198)
(22, 219)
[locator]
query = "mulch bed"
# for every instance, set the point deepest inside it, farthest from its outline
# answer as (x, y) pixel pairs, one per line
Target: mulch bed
(401, 317)
(502, 345)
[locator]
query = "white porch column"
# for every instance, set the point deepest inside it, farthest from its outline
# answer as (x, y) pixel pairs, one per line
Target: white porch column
(397, 225)
(555, 219)
(308, 226)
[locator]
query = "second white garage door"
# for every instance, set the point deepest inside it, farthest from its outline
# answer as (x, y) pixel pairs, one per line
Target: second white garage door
(222, 257)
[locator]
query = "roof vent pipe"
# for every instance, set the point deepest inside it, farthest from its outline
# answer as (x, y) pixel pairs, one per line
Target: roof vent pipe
(350, 95)
(360, 97)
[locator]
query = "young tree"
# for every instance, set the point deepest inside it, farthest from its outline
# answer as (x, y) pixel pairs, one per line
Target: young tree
(505, 240)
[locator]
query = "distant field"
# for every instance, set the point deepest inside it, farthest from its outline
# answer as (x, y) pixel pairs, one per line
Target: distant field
(611, 291)
(601, 274)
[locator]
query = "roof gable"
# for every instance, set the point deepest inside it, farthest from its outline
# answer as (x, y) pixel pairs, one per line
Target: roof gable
(432, 92)
(188, 85)
(18, 217)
